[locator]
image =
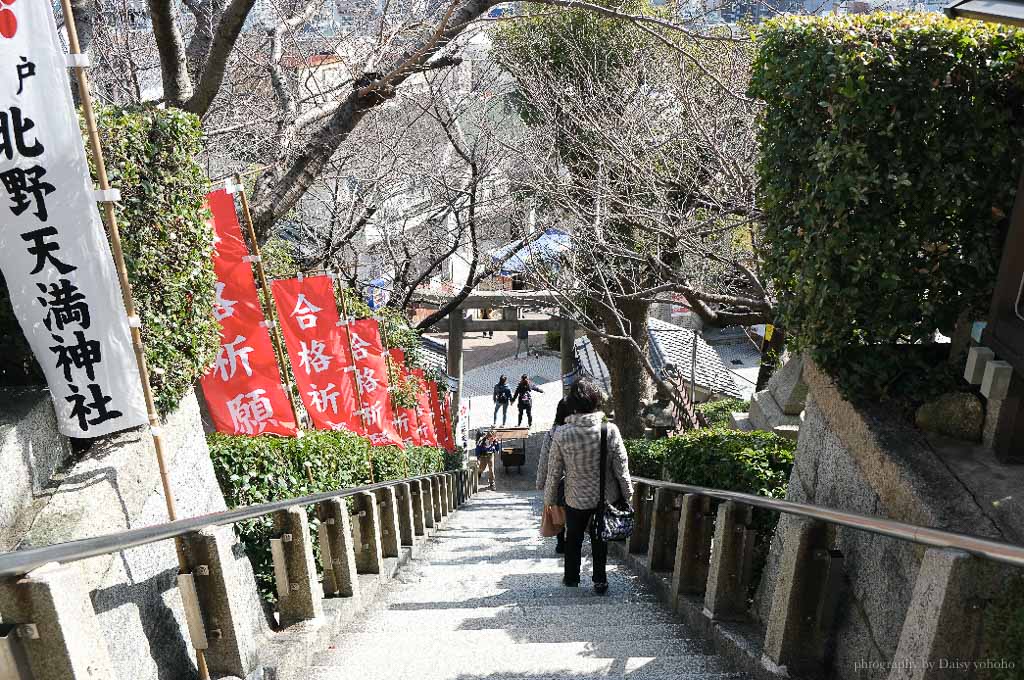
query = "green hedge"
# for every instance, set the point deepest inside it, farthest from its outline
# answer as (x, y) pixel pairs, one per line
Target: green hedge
(719, 412)
(252, 470)
(750, 462)
(150, 155)
(890, 149)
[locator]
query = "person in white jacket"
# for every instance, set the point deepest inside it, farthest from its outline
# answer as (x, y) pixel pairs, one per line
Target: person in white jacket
(575, 452)
(561, 412)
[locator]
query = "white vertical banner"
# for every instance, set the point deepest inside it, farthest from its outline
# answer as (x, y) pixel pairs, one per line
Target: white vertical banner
(53, 248)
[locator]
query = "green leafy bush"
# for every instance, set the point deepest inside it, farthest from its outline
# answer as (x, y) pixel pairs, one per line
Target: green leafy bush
(253, 470)
(890, 147)
(719, 412)
(553, 340)
(150, 156)
(646, 457)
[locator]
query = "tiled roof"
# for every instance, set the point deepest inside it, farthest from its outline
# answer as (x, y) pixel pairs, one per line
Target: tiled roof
(717, 370)
(434, 354)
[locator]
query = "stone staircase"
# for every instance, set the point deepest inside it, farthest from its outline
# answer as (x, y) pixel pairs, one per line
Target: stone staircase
(483, 599)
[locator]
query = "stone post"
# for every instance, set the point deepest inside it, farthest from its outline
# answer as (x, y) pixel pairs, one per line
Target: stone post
(368, 546)
(693, 547)
(406, 530)
(57, 625)
(731, 564)
(442, 480)
(661, 546)
(449, 479)
(301, 600)
(233, 646)
(641, 531)
(427, 494)
(804, 599)
(339, 564)
(946, 616)
(456, 333)
(387, 511)
(474, 475)
(435, 495)
(422, 515)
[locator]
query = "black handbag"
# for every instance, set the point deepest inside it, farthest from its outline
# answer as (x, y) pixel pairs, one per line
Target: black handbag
(614, 523)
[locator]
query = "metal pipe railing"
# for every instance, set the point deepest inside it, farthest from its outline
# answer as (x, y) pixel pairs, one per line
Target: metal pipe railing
(23, 561)
(994, 550)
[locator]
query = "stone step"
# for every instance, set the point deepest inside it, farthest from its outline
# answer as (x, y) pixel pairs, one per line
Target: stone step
(518, 616)
(462, 663)
(676, 633)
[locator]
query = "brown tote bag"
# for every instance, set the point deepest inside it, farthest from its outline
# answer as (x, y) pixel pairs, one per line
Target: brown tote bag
(553, 520)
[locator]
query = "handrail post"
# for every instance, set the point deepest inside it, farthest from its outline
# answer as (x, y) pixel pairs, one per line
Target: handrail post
(403, 496)
(211, 559)
(339, 559)
(731, 563)
(59, 631)
(804, 598)
(693, 547)
(299, 599)
(661, 545)
(435, 496)
(387, 511)
(368, 547)
(420, 507)
(639, 539)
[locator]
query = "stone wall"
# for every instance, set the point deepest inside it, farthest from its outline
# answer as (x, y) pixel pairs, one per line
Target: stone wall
(116, 486)
(31, 450)
(871, 463)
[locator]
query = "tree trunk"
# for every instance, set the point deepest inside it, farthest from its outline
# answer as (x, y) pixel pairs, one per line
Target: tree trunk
(771, 355)
(630, 383)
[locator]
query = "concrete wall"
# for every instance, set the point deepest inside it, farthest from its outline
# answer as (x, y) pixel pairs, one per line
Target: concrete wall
(116, 486)
(870, 463)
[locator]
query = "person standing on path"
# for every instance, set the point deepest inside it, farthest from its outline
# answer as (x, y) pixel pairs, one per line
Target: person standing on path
(561, 411)
(523, 341)
(525, 399)
(576, 452)
(502, 398)
(486, 447)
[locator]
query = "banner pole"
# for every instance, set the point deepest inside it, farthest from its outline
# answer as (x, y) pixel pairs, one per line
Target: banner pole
(269, 312)
(126, 293)
(355, 373)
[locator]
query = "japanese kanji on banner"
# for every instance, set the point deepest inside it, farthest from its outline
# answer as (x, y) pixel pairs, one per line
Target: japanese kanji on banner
(53, 248)
(424, 411)
(407, 421)
(437, 410)
(318, 349)
(243, 388)
(372, 373)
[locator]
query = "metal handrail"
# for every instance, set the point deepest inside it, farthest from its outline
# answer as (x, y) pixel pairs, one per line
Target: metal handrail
(976, 545)
(23, 561)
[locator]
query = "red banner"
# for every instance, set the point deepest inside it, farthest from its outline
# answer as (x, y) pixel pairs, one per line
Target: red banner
(444, 433)
(406, 419)
(449, 422)
(318, 350)
(372, 373)
(243, 389)
(424, 411)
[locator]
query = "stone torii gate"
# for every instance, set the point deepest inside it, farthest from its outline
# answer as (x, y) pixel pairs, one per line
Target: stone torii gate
(511, 303)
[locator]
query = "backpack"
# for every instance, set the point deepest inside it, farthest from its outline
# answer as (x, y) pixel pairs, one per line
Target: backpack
(502, 395)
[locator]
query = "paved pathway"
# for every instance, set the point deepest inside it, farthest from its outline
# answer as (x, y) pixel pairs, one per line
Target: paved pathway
(484, 600)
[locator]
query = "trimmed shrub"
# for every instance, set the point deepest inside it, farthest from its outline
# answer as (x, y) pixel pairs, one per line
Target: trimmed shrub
(150, 155)
(890, 147)
(719, 412)
(252, 470)
(646, 457)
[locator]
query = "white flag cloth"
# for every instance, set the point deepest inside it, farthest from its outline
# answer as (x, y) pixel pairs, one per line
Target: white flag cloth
(53, 249)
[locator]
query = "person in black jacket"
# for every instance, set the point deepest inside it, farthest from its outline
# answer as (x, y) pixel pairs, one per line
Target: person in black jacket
(502, 397)
(525, 399)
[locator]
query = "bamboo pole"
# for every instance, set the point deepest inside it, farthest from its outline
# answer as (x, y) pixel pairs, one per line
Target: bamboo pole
(126, 294)
(269, 313)
(355, 372)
